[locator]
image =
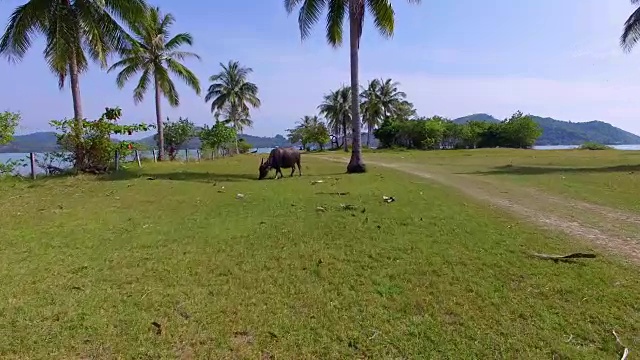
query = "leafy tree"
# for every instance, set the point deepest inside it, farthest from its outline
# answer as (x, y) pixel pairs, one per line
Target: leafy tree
(232, 95)
(97, 147)
(309, 130)
(216, 136)
(336, 108)
(176, 133)
(74, 31)
(8, 123)
(152, 52)
(383, 18)
(520, 131)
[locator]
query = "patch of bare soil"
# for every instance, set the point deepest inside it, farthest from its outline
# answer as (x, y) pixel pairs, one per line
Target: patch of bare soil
(610, 229)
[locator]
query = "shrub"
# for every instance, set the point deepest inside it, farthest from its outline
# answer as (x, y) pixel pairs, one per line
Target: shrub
(590, 145)
(94, 150)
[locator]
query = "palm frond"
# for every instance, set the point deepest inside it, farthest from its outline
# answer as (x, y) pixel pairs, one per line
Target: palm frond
(383, 16)
(183, 73)
(143, 85)
(309, 15)
(179, 40)
(335, 20)
(24, 24)
(631, 31)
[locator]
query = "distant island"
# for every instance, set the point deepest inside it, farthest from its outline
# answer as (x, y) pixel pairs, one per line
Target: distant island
(557, 132)
(554, 132)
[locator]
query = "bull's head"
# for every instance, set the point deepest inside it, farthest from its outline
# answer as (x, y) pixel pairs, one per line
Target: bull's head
(264, 169)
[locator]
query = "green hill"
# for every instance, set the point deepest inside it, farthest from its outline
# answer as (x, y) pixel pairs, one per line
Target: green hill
(557, 132)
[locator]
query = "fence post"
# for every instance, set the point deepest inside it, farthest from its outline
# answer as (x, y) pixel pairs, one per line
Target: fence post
(198, 154)
(186, 155)
(212, 154)
(154, 155)
(138, 158)
(117, 160)
(32, 158)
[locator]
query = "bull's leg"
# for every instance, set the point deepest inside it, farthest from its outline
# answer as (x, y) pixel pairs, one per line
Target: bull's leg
(278, 171)
(293, 170)
(299, 168)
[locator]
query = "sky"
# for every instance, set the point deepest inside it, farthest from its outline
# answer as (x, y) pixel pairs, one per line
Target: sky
(552, 58)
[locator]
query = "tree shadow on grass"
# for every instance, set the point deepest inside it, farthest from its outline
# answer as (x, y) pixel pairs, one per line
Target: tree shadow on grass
(541, 170)
(192, 176)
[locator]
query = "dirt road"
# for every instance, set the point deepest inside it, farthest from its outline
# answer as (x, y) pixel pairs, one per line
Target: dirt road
(610, 229)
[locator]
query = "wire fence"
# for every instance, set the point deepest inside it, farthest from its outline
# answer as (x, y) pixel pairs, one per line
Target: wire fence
(53, 163)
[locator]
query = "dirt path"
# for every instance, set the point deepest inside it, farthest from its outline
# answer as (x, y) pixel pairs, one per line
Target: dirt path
(610, 229)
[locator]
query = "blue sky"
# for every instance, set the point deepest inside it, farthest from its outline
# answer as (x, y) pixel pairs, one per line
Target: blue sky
(453, 58)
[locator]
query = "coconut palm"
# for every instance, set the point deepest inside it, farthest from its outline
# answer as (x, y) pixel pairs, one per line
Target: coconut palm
(390, 97)
(74, 31)
(152, 52)
(336, 108)
(631, 30)
(383, 18)
(371, 107)
(233, 95)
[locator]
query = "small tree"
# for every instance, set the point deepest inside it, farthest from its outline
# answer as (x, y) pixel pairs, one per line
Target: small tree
(176, 134)
(217, 136)
(8, 124)
(520, 131)
(96, 145)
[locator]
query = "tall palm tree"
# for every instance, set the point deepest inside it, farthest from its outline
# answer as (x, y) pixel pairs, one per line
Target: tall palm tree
(631, 29)
(383, 18)
(151, 51)
(371, 107)
(390, 97)
(75, 31)
(233, 95)
(336, 108)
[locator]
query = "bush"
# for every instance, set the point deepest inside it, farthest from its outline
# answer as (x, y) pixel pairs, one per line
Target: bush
(90, 142)
(590, 145)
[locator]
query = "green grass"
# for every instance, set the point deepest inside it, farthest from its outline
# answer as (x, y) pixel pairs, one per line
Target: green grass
(607, 177)
(87, 265)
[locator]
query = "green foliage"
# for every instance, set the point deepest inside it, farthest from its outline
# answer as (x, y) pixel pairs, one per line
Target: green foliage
(242, 147)
(73, 31)
(519, 131)
(10, 166)
(594, 146)
(8, 123)
(309, 130)
(336, 108)
(216, 136)
(95, 145)
(176, 134)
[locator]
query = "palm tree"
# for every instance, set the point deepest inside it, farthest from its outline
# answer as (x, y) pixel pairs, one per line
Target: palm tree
(383, 18)
(233, 95)
(631, 29)
(152, 52)
(371, 107)
(74, 31)
(336, 108)
(390, 97)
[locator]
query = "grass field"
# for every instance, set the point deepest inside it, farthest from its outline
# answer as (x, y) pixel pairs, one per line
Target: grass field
(610, 177)
(286, 271)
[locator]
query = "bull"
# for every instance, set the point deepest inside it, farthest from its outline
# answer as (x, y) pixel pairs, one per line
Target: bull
(280, 158)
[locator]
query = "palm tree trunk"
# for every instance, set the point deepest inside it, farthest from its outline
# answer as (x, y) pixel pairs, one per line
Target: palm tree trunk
(74, 78)
(368, 136)
(159, 121)
(344, 134)
(356, 165)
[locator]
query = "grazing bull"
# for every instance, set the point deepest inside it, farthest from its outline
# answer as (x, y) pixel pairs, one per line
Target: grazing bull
(280, 158)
